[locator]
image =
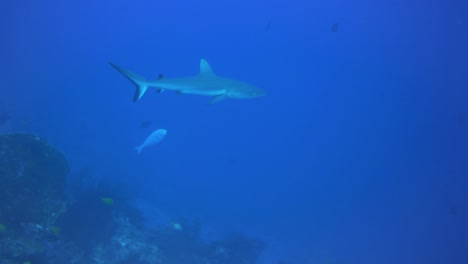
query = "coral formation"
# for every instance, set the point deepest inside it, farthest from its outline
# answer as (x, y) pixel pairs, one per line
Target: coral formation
(95, 224)
(33, 177)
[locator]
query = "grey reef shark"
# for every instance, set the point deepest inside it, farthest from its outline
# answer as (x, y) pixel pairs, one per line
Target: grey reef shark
(205, 83)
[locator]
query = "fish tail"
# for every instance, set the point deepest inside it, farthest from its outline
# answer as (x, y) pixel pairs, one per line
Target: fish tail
(138, 149)
(139, 82)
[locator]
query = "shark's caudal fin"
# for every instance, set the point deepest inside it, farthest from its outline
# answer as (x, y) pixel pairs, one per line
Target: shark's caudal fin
(138, 81)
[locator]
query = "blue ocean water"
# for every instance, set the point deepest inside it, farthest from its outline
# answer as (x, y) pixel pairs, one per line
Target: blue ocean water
(358, 154)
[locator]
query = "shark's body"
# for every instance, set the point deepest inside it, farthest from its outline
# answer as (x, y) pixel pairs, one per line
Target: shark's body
(206, 83)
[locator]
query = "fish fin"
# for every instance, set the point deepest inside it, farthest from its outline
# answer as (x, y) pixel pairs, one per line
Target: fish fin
(205, 68)
(160, 90)
(139, 149)
(139, 82)
(217, 98)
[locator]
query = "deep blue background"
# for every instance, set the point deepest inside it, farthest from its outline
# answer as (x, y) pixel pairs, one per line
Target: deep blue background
(359, 153)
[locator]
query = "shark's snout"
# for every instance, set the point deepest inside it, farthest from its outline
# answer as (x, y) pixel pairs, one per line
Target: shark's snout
(255, 92)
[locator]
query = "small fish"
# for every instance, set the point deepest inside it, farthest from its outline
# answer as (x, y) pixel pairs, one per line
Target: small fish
(55, 229)
(268, 26)
(152, 139)
(176, 226)
(146, 124)
(335, 27)
(107, 200)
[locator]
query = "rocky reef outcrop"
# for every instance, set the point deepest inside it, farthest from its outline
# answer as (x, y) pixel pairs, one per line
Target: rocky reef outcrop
(33, 177)
(39, 223)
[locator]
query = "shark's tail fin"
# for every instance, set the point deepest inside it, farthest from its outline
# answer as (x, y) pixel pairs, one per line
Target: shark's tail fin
(138, 81)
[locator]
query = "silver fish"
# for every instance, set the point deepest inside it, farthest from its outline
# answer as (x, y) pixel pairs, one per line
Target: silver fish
(153, 139)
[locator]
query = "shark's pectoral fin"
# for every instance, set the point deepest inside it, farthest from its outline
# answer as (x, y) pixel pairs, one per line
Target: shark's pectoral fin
(217, 98)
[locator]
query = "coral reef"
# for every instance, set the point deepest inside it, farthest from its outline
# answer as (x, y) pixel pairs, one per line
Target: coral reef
(33, 177)
(97, 224)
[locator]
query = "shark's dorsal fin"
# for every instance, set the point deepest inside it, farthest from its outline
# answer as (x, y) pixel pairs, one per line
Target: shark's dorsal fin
(205, 68)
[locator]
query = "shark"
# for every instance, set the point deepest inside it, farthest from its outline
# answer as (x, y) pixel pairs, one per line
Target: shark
(205, 83)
